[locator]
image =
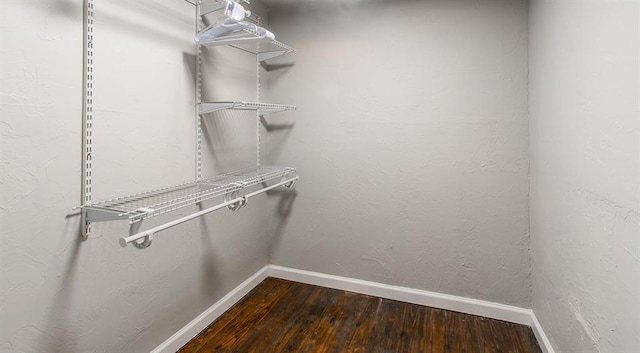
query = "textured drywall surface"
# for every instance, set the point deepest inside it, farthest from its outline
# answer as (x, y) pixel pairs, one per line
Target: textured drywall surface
(411, 142)
(585, 173)
(59, 294)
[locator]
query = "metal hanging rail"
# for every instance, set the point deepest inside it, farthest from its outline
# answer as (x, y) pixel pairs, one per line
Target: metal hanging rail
(138, 207)
(144, 239)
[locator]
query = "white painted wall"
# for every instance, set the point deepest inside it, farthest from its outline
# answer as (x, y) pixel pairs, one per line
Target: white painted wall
(411, 137)
(411, 141)
(58, 294)
(585, 173)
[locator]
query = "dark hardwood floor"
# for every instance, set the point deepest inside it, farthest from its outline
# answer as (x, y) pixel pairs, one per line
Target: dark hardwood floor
(284, 316)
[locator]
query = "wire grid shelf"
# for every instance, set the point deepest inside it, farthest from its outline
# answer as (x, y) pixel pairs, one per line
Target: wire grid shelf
(265, 49)
(153, 203)
(261, 108)
(250, 40)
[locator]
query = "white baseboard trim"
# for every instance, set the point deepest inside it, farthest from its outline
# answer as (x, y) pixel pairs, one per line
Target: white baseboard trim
(415, 296)
(409, 295)
(543, 341)
(180, 338)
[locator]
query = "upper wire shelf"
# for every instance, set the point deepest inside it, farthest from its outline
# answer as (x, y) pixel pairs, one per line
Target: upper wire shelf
(252, 41)
(141, 206)
(249, 37)
(261, 108)
(266, 49)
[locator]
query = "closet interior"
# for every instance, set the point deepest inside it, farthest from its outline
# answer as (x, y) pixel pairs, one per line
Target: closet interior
(313, 175)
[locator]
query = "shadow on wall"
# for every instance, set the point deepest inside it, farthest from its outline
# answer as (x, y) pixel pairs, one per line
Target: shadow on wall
(58, 332)
(270, 127)
(283, 211)
(70, 9)
(279, 133)
(211, 275)
(65, 8)
(158, 9)
(189, 60)
(277, 70)
(150, 33)
(275, 67)
(71, 313)
(73, 10)
(230, 139)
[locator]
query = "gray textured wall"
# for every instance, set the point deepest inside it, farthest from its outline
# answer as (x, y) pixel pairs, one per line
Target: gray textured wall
(585, 173)
(61, 295)
(411, 142)
(411, 139)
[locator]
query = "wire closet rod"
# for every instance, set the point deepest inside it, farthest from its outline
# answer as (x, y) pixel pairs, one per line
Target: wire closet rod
(150, 232)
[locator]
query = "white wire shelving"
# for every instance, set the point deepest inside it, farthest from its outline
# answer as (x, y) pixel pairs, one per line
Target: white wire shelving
(265, 49)
(138, 207)
(232, 190)
(252, 39)
(261, 108)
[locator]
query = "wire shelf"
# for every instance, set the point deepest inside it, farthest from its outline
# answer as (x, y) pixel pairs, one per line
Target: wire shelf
(140, 206)
(261, 108)
(265, 49)
(251, 41)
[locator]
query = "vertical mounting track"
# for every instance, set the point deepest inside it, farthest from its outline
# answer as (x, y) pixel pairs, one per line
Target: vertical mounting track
(258, 122)
(199, 26)
(87, 114)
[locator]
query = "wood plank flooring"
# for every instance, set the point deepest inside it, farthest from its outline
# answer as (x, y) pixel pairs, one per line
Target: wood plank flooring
(285, 316)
